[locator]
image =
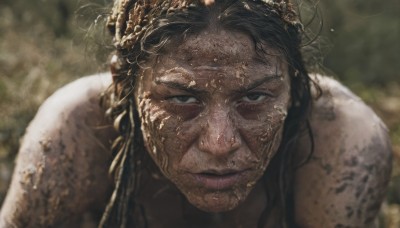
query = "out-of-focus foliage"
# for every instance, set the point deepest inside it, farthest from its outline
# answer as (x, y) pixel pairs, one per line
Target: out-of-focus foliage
(47, 43)
(366, 35)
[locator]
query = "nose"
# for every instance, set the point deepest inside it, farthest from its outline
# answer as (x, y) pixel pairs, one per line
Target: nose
(219, 137)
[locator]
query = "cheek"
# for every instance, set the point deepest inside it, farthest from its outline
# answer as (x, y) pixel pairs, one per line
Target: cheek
(264, 136)
(154, 122)
(162, 135)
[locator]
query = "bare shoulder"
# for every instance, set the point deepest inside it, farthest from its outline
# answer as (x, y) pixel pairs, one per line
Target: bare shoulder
(346, 178)
(61, 167)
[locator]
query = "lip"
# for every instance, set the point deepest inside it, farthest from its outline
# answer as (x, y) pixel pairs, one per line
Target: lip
(219, 180)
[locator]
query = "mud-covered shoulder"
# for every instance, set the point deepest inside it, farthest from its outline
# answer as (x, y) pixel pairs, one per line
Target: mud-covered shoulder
(345, 181)
(61, 167)
(81, 91)
(338, 103)
(340, 115)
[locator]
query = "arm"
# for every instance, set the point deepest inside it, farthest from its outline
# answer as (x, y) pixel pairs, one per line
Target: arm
(61, 168)
(345, 181)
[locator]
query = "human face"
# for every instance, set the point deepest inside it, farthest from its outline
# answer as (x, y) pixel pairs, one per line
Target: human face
(212, 115)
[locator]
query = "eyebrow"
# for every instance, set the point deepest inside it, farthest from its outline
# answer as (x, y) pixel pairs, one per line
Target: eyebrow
(259, 82)
(179, 86)
(184, 87)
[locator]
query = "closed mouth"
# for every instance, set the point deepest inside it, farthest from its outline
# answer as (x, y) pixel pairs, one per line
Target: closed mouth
(219, 180)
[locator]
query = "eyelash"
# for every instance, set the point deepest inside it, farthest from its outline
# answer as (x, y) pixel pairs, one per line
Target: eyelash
(187, 99)
(261, 95)
(186, 106)
(189, 106)
(176, 99)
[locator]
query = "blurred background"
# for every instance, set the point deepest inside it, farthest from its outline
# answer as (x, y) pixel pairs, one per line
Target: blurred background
(45, 44)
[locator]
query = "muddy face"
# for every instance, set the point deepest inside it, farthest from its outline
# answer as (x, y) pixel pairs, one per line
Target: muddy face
(212, 114)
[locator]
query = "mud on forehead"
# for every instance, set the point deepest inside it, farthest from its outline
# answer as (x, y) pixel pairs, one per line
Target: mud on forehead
(219, 46)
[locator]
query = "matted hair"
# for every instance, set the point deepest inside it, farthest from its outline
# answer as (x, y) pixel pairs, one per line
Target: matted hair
(142, 29)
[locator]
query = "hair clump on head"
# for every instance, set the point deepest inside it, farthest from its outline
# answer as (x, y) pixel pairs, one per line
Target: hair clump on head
(130, 19)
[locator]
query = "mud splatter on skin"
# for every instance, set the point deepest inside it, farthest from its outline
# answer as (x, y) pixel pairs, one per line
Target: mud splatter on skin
(200, 115)
(356, 181)
(351, 166)
(62, 163)
(46, 143)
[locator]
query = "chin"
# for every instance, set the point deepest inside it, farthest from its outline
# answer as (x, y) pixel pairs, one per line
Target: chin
(218, 201)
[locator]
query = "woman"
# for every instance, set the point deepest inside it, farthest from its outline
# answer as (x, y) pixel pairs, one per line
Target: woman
(212, 121)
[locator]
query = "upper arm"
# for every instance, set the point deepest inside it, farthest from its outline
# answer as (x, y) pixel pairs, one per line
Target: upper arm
(61, 167)
(345, 181)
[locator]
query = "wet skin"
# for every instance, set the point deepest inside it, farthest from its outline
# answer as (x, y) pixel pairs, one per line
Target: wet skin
(212, 114)
(209, 140)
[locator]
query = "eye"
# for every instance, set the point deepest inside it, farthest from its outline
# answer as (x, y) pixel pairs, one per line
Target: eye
(183, 99)
(254, 97)
(185, 106)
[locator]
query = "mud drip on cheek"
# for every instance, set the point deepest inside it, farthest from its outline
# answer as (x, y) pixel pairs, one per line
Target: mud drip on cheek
(267, 133)
(153, 120)
(163, 123)
(144, 117)
(276, 122)
(282, 112)
(178, 131)
(272, 147)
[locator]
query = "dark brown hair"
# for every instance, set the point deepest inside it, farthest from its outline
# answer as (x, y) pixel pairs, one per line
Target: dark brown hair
(142, 29)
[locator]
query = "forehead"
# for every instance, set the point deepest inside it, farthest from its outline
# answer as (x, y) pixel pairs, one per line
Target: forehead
(226, 57)
(219, 47)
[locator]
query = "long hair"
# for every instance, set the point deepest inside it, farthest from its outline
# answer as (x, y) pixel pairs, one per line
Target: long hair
(266, 22)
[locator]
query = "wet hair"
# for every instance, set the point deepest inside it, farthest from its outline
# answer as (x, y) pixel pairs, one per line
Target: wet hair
(142, 29)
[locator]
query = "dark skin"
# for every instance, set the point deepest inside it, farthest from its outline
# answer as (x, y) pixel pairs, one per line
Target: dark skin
(190, 122)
